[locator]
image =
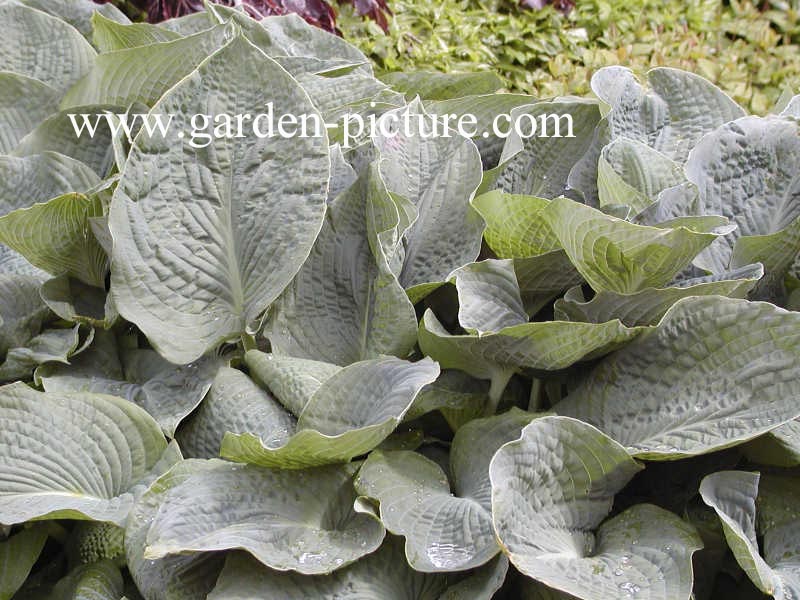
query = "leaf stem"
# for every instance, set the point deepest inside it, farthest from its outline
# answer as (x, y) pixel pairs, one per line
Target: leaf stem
(535, 401)
(500, 379)
(248, 342)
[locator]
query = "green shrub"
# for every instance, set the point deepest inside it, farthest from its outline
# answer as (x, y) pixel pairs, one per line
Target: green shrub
(752, 55)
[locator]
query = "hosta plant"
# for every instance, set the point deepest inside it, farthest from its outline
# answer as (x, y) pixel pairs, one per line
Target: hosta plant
(405, 367)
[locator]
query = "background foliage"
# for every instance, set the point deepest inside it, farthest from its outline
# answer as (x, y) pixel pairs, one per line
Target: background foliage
(751, 53)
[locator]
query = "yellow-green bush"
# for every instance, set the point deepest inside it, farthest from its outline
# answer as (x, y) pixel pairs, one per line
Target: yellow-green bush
(750, 53)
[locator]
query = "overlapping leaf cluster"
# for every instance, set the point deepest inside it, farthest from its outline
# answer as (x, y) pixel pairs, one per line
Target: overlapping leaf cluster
(277, 368)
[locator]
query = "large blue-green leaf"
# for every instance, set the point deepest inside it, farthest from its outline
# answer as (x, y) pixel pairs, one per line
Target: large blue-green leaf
(715, 372)
(346, 303)
(551, 493)
(24, 102)
(199, 256)
(448, 527)
(439, 175)
(383, 574)
(734, 496)
(618, 256)
(348, 415)
(671, 116)
(82, 469)
(289, 520)
(42, 47)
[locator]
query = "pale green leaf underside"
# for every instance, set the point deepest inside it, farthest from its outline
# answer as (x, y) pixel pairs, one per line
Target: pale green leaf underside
(514, 227)
(142, 74)
(732, 494)
(633, 174)
(618, 256)
(714, 373)
(56, 237)
(109, 35)
(17, 556)
(85, 467)
(303, 520)
(350, 414)
(780, 447)
(545, 346)
(207, 250)
(554, 486)
(649, 305)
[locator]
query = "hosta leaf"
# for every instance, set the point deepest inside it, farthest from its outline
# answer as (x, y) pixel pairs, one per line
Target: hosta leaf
(383, 574)
(439, 175)
(671, 117)
(776, 251)
(514, 226)
(482, 584)
(143, 74)
(444, 530)
(234, 404)
(97, 581)
(648, 306)
(42, 177)
(75, 301)
(78, 13)
(552, 489)
(43, 47)
(459, 397)
(779, 447)
(632, 173)
(489, 296)
(303, 520)
(543, 346)
(82, 469)
(293, 381)
(208, 251)
(56, 236)
(539, 166)
(56, 133)
(22, 311)
(189, 576)
(618, 256)
(335, 74)
(52, 345)
(714, 373)
(747, 171)
(732, 494)
(18, 554)
(188, 24)
(485, 108)
(350, 414)
(346, 303)
(431, 85)
(24, 102)
(542, 278)
(168, 392)
(110, 35)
